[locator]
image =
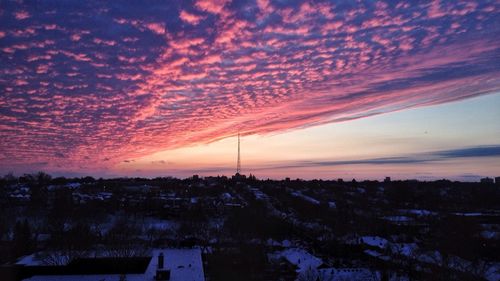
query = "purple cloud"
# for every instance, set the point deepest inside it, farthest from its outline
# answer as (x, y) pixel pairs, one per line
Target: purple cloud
(95, 80)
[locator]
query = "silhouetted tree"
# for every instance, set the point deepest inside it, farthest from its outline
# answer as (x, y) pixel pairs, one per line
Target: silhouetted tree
(88, 179)
(63, 204)
(38, 184)
(8, 179)
(23, 241)
(121, 239)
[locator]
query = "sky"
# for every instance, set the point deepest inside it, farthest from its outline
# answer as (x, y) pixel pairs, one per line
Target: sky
(317, 89)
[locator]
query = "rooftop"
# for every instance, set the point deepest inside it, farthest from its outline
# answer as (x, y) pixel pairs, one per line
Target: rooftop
(184, 265)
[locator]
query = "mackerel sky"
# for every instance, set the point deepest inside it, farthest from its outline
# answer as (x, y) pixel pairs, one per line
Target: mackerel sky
(159, 87)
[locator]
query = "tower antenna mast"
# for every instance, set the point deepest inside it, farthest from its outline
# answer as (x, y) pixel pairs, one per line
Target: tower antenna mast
(238, 165)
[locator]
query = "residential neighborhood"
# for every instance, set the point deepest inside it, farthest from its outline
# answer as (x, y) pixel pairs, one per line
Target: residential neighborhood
(219, 228)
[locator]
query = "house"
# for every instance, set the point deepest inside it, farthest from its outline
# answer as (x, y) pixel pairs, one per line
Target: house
(161, 265)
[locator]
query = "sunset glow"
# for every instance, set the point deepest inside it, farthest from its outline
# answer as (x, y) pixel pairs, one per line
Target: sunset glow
(318, 89)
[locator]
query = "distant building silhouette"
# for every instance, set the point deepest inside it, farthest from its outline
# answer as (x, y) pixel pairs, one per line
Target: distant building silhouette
(497, 180)
(487, 180)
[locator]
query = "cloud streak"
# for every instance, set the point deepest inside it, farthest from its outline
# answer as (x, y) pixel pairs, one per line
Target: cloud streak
(435, 156)
(100, 83)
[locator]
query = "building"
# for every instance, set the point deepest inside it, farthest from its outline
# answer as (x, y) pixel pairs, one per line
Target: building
(162, 265)
(487, 180)
(497, 180)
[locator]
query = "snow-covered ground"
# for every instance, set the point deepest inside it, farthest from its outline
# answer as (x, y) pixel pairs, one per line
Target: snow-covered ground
(259, 195)
(332, 205)
(344, 274)
(305, 197)
(158, 224)
(493, 272)
(470, 214)
(418, 212)
(398, 219)
(410, 250)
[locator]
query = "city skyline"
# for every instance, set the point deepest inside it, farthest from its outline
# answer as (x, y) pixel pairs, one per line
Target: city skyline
(317, 89)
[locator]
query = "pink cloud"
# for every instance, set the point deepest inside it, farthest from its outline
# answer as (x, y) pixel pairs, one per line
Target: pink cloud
(157, 28)
(212, 6)
(435, 10)
(104, 42)
(190, 18)
(76, 37)
(22, 15)
(50, 26)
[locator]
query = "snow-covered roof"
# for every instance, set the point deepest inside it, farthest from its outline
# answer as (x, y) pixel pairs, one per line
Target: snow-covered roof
(30, 260)
(375, 241)
(184, 265)
(73, 185)
(101, 277)
(301, 258)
